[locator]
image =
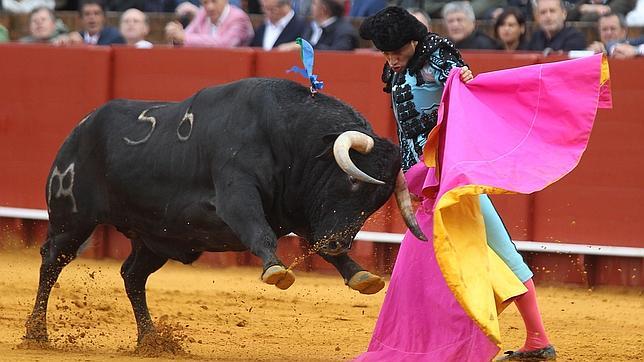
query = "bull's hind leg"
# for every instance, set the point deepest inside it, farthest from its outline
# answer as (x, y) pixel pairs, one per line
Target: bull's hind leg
(135, 272)
(59, 250)
(354, 275)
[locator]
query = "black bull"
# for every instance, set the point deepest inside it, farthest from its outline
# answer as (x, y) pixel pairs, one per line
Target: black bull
(231, 168)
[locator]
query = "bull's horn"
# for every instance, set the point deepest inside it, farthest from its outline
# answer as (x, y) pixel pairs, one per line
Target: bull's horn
(359, 142)
(404, 204)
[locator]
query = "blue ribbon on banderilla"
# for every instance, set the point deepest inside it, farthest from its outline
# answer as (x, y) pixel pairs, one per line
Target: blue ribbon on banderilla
(307, 55)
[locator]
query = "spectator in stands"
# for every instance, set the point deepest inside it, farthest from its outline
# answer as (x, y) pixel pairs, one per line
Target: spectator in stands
(25, 6)
(636, 16)
(329, 30)
(612, 30)
(94, 31)
(553, 34)
(280, 25)
(217, 24)
(510, 30)
(364, 8)
(591, 10)
(173, 5)
(612, 34)
(135, 27)
(43, 27)
(482, 8)
(421, 16)
(459, 19)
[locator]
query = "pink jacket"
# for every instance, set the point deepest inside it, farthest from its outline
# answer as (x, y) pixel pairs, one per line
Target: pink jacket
(236, 30)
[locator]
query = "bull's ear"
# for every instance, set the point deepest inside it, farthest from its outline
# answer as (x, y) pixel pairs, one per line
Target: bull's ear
(328, 141)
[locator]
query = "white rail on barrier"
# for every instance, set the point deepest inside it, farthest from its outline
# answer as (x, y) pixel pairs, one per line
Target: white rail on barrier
(378, 237)
(534, 246)
(18, 213)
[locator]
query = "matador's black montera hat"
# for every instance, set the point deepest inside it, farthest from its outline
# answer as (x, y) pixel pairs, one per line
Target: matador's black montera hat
(391, 28)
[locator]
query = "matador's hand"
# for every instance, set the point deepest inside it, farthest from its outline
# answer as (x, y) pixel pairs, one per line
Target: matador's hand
(466, 74)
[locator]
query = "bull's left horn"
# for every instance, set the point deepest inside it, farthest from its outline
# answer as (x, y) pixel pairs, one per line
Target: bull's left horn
(404, 204)
(359, 142)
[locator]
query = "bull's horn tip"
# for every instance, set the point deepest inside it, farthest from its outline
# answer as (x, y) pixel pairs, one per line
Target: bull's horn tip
(419, 234)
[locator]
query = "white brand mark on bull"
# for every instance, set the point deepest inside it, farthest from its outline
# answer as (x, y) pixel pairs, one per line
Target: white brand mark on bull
(85, 119)
(144, 118)
(63, 192)
(190, 117)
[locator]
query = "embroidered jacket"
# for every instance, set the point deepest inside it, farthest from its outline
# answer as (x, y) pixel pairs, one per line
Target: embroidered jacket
(416, 93)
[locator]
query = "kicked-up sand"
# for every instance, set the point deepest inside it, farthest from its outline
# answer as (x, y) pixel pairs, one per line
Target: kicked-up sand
(230, 315)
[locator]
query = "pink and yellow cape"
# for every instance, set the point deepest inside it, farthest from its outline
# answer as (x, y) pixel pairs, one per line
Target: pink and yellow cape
(511, 131)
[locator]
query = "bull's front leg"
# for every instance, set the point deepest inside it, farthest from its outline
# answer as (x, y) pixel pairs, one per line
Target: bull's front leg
(354, 275)
(245, 216)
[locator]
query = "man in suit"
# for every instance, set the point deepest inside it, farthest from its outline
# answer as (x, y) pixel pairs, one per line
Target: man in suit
(280, 25)
(613, 38)
(217, 24)
(92, 13)
(612, 29)
(553, 34)
(329, 30)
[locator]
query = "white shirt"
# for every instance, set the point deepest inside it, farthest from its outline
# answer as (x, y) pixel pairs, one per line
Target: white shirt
(143, 44)
(273, 31)
(91, 39)
(317, 29)
(222, 17)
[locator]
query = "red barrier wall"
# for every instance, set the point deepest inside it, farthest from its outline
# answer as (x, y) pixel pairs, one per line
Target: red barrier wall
(602, 200)
(44, 92)
(40, 102)
(175, 74)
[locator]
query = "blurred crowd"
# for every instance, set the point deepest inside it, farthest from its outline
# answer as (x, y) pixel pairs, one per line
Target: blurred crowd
(536, 25)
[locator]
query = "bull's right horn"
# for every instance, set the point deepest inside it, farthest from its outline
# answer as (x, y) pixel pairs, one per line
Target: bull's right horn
(406, 210)
(359, 142)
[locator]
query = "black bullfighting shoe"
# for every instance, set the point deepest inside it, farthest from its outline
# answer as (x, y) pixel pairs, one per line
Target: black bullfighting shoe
(547, 353)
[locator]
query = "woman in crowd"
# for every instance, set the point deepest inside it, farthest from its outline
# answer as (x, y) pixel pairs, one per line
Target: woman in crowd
(510, 30)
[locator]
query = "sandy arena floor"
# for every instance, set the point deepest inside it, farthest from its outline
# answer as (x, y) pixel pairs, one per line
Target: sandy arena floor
(229, 315)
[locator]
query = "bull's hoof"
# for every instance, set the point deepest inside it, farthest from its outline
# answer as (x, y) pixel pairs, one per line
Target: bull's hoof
(36, 330)
(279, 276)
(366, 283)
